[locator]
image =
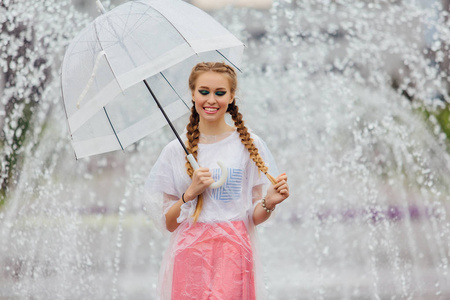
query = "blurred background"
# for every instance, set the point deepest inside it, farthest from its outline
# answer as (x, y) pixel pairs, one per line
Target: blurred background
(350, 96)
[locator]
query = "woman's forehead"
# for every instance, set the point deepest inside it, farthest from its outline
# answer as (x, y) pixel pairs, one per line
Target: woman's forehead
(213, 79)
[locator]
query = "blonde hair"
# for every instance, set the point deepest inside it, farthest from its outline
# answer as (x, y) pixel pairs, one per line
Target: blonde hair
(192, 127)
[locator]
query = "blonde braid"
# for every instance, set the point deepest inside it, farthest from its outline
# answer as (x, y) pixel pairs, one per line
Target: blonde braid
(247, 141)
(193, 134)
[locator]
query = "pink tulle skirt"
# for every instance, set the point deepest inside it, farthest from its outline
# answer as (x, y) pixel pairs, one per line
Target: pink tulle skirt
(214, 261)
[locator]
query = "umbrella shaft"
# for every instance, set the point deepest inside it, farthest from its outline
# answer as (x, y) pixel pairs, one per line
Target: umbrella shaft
(166, 117)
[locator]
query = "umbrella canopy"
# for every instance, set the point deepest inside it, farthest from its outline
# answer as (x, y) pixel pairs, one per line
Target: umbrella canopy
(107, 103)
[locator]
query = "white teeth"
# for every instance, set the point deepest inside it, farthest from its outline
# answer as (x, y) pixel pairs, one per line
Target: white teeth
(210, 109)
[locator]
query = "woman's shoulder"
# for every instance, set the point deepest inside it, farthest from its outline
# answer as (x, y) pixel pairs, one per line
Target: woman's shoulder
(261, 145)
(256, 138)
(173, 148)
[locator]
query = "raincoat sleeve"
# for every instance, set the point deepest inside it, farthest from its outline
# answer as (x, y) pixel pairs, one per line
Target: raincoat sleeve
(260, 183)
(165, 183)
(260, 178)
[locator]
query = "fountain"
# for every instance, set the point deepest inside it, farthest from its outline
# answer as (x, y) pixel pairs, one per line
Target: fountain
(336, 88)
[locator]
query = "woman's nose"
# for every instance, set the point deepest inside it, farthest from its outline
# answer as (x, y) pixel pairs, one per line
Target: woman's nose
(211, 98)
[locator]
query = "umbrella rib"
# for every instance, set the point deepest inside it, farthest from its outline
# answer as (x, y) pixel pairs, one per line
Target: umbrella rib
(174, 90)
(135, 25)
(174, 28)
(104, 108)
(106, 57)
(65, 111)
(64, 104)
(229, 61)
(166, 117)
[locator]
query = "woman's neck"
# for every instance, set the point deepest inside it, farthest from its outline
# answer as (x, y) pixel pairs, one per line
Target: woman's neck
(214, 129)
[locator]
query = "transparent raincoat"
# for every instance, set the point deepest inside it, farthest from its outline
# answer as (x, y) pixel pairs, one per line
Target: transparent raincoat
(216, 257)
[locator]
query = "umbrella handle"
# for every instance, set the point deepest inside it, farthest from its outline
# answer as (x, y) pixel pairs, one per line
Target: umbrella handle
(223, 176)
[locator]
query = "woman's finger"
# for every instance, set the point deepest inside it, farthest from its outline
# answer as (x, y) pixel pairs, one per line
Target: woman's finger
(282, 177)
(285, 192)
(283, 187)
(201, 171)
(276, 186)
(207, 180)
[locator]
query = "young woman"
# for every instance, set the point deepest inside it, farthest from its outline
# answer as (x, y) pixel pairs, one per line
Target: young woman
(212, 253)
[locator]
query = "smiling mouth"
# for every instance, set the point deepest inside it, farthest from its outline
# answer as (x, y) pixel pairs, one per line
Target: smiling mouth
(210, 109)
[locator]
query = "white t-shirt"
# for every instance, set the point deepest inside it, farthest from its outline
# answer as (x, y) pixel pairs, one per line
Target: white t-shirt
(230, 202)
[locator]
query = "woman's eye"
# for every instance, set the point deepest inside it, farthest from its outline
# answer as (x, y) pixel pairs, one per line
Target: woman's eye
(220, 93)
(203, 92)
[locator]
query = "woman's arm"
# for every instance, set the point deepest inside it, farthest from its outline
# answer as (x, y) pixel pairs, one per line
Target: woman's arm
(172, 215)
(275, 194)
(201, 179)
(259, 215)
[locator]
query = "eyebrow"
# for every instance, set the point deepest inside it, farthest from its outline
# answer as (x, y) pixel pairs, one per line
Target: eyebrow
(206, 87)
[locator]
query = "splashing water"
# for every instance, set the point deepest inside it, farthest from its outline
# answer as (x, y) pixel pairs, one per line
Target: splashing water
(334, 87)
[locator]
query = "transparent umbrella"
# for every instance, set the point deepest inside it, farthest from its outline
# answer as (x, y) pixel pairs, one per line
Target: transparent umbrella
(131, 64)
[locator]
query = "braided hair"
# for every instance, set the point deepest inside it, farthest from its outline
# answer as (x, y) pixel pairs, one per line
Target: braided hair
(193, 132)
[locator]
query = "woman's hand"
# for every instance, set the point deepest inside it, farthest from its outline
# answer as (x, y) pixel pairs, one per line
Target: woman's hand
(201, 180)
(277, 193)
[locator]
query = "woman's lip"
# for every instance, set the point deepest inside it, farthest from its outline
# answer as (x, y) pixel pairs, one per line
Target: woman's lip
(212, 111)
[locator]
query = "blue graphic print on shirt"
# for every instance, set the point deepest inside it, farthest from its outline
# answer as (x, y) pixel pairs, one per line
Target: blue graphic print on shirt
(231, 190)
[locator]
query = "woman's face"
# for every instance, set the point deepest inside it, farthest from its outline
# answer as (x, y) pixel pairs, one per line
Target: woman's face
(211, 96)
